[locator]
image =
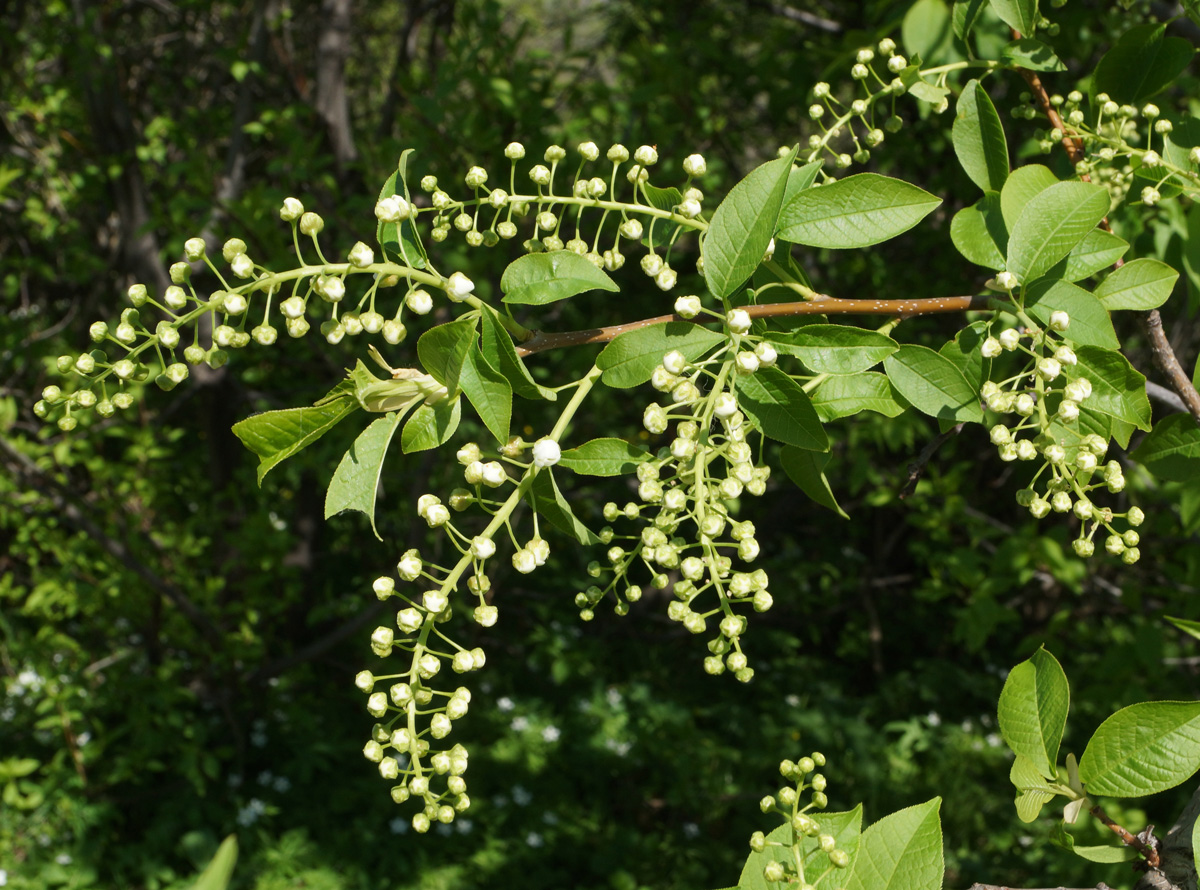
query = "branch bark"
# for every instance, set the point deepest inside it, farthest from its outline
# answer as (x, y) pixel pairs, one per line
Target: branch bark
(541, 341)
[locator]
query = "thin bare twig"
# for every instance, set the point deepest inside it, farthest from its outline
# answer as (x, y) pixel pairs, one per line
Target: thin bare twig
(917, 468)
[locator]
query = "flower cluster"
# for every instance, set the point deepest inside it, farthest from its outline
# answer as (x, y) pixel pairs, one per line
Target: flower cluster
(1048, 398)
(687, 495)
(562, 220)
(1113, 136)
(413, 715)
(802, 867)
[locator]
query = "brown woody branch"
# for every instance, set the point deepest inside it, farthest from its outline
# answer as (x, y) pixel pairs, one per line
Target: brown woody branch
(541, 341)
(1100, 886)
(1147, 850)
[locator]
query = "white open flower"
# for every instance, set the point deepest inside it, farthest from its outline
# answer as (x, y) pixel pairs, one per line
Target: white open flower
(546, 453)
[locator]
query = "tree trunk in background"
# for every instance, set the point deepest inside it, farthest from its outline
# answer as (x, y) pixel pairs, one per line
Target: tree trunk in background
(332, 100)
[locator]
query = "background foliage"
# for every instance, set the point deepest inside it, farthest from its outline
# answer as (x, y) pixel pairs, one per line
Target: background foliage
(177, 648)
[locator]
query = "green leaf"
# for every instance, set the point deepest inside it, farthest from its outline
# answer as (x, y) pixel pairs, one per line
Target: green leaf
(431, 426)
(927, 29)
(966, 353)
(1118, 390)
(836, 348)
(356, 480)
(933, 385)
(219, 871)
(1139, 284)
(902, 851)
(857, 211)
(1033, 791)
(1020, 15)
(489, 393)
(965, 14)
(1090, 324)
(978, 232)
(807, 470)
(838, 397)
(1051, 224)
(1143, 749)
(1107, 854)
(604, 457)
(1031, 54)
(662, 199)
(498, 349)
(276, 435)
(1033, 710)
(979, 139)
(443, 350)
(1172, 450)
(630, 359)
(799, 179)
(540, 278)
(1191, 628)
(1196, 843)
(845, 829)
(548, 502)
(401, 238)
(781, 408)
(1098, 250)
(1020, 188)
(1143, 62)
(743, 225)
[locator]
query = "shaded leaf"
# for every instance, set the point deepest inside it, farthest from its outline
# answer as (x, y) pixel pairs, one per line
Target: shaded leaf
(1020, 15)
(1172, 450)
(401, 238)
(807, 470)
(1144, 62)
(781, 408)
(1032, 54)
(545, 498)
